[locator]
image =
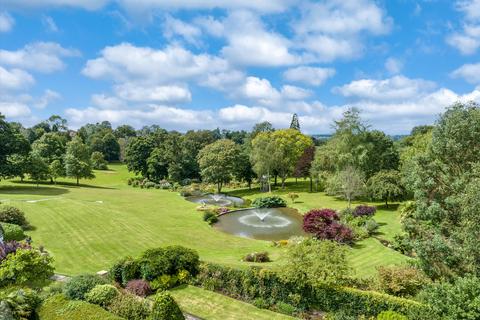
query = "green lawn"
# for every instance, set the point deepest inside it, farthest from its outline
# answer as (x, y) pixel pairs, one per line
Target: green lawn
(213, 306)
(89, 227)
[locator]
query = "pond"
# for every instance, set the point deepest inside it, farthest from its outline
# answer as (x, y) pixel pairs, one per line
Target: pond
(262, 224)
(220, 200)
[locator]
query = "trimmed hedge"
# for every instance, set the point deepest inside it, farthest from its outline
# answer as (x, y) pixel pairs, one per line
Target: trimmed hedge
(77, 287)
(58, 307)
(12, 232)
(9, 214)
(102, 295)
(253, 284)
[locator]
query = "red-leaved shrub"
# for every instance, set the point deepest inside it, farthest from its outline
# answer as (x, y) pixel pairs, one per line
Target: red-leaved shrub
(364, 210)
(139, 287)
(325, 225)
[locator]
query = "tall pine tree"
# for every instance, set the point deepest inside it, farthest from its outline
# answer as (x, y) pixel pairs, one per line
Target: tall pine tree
(295, 124)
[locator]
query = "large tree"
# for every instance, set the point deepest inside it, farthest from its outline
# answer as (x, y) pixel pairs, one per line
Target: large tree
(445, 227)
(12, 143)
(77, 161)
(262, 158)
(217, 162)
(50, 147)
(386, 185)
(288, 147)
(348, 183)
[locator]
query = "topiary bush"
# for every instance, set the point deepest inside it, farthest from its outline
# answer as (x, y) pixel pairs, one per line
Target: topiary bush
(12, 232)
(13, 215)
(77, 287)
(257, 257)
(102, 295)
(165, 308)
(324, 225)
(139, 288)
(391, 315)
(269, 202)
(129, 307)
(364, 210)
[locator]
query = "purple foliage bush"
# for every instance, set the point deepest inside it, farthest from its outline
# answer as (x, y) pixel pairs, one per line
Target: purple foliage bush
(364, 210)
(139, 287)
(325, 225)
(9, 247)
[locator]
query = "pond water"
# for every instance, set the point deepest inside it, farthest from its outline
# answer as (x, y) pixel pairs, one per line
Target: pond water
(219, 200)
(263, 224)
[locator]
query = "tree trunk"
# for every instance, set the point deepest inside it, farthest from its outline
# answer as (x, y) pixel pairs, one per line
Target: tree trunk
(283, 182)
(78, 181)
(311, 185)
(386, 202)
(275, 180)
(219, 187)
(51, 180)
(249, 185)
(296, 180)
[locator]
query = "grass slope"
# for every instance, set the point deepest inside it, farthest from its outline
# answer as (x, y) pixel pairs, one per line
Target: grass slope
(89, 227)
(213, 306)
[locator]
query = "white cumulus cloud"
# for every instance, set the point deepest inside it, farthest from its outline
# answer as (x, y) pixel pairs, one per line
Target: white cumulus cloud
(309, 75)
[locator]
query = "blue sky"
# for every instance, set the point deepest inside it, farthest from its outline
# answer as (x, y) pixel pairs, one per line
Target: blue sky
(191, 64)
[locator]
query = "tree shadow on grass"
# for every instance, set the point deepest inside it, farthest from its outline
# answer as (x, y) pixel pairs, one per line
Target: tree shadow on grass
(393, 207)
(33, 190)
(61, 184)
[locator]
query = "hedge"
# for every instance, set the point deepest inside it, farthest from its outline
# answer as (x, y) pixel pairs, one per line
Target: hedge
(257, 284)
(58, 307)
(12, 232)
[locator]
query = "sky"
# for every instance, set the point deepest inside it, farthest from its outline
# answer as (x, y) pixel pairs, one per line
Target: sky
(203, 64)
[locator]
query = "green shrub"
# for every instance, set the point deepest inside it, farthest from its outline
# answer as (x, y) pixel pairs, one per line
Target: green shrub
(19, 303)
(12, 232)
(391, 315)
(130, 270)
(164, 282)
(168, 260)
(58, 307)
(210, 217)
(115, 273)
(102, 295)
(77, 287)
(26, 266)
(129, 307)
(257, 257)
(149, 184)
(269, 202)
(165, 308)
(401, 281)
(261, 303)
(451, 301)
(285, 308)
(13, 215)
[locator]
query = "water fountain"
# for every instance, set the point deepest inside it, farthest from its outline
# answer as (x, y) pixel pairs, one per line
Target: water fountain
(263, 224)
(219, 200)
(261, 215)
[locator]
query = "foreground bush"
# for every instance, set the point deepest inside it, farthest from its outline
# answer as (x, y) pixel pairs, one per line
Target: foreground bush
(58, 307)
(102, 295)
(10, 247)
(139, 288)
(12, 232)
(13, 215)
(401, 281)
(451, 301)
(77, 287)
(165, 308)
(252, 284)
(25, 266)
(18, 304)
(324, 225)
(129, 307)
(269, 202)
